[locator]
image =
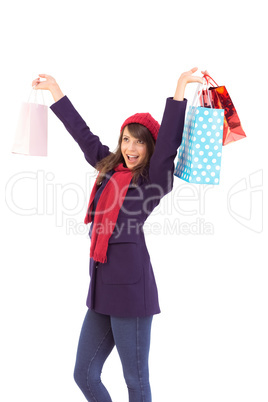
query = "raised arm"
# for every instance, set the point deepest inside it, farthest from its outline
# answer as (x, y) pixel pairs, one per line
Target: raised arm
(170, 134)
(89, 143)
(168, 140)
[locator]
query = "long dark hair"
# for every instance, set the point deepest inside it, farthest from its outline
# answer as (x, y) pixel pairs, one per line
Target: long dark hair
(115, 158)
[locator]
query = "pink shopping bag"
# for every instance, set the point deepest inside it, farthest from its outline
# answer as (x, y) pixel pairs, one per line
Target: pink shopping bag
(31, 132)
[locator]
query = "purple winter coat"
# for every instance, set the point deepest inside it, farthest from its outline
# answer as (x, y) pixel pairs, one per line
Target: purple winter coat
(125, 286)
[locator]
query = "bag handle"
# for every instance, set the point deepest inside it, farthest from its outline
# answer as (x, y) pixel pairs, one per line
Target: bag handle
(35, 96)
(198, 94)
(194, 104)
(209, 79)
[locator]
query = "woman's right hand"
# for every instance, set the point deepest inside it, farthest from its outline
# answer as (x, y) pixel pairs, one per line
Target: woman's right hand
(49, 84)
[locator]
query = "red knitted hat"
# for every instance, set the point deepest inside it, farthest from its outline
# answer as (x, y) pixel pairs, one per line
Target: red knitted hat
(146, 120)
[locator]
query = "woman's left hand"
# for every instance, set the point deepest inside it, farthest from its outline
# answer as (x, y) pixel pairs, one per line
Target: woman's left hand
(184, 79)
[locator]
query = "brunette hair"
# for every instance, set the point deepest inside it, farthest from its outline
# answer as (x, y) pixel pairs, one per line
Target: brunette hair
(115, 158)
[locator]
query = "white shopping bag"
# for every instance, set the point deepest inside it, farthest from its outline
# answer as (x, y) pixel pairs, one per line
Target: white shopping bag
(31, 132)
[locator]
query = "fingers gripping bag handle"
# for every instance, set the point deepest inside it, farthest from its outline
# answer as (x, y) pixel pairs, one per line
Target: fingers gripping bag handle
(31, 132)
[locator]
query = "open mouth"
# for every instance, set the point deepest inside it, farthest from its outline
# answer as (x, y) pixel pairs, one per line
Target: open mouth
(132, 158)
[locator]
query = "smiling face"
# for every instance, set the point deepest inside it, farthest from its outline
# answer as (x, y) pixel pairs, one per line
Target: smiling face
(134, 150)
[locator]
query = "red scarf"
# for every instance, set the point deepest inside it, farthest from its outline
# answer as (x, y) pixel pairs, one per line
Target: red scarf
(107, 210)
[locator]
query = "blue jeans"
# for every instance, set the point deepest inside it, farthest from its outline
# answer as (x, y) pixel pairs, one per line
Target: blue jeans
(99, 334)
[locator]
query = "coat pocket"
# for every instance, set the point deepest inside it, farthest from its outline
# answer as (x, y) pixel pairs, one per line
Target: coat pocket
(123, 266)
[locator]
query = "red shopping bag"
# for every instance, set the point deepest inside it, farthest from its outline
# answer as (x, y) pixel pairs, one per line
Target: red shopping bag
(220, 98)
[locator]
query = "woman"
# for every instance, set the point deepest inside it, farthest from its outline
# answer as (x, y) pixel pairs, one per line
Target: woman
(122, 297)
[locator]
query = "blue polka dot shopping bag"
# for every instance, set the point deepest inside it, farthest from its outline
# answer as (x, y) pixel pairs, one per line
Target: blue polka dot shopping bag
(199, 156)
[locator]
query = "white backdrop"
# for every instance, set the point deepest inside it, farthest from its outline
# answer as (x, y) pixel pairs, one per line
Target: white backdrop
(207, 244)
